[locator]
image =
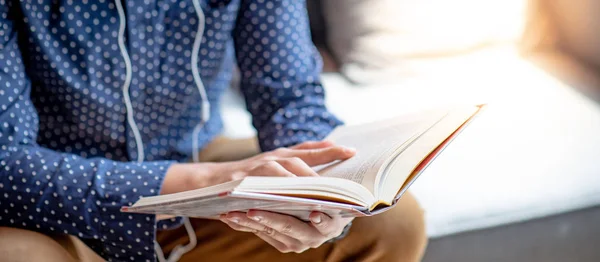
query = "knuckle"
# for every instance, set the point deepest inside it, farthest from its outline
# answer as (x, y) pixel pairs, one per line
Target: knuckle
(243, 223)
(257, 168)
(236, 227)
(314, 152)
(268, 231)
(284, 161)
(287, 228)
(268, 157)
(310, 154)
(270, 165)
(280, 151)
(296, 160)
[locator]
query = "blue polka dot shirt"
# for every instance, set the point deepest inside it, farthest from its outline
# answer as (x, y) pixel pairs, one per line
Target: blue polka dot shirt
(67, 154)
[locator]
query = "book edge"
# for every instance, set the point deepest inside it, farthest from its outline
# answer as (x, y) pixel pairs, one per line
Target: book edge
(427, 161)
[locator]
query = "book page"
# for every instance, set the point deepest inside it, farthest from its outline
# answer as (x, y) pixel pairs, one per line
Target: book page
(211, 207)
(375, 143)
(421, 152)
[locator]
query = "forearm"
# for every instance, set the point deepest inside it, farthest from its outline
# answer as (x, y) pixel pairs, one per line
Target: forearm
(284, 94)
(55, 192)
(188, 176)
(298, 121)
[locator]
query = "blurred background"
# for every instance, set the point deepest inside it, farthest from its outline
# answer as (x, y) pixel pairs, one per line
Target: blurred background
(523, 181)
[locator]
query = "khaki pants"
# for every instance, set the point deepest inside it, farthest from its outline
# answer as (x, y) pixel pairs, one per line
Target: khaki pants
(396, 235)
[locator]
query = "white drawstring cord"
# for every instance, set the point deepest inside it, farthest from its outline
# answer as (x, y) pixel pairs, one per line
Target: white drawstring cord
(178, 251)
(160, 256)
(132, 125)
(196, 74)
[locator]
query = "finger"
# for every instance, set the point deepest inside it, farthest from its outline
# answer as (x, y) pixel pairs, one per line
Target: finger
(248, 225)
(297, 166)
(290, 244)
(323, 223)
(238, 227)
(315, 157)
(326, 225)
(286, 225)
(242, 219)
(313, 145)
(276, 244)
(271, 168)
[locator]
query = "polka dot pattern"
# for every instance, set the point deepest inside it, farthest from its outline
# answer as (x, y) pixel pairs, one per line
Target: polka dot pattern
(280, 69)
(66, 150)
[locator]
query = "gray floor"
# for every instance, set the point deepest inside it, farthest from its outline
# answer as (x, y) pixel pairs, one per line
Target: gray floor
(567, 237)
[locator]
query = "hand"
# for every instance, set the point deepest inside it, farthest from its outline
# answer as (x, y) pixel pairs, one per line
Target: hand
(286, 233)
(293, 161)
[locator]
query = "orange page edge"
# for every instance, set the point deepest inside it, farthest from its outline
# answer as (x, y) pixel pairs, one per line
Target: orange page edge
(427, 160)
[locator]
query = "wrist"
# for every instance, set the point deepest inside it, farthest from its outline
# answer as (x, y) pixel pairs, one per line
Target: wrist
(183, 177)
(189, 176)
(172, 182)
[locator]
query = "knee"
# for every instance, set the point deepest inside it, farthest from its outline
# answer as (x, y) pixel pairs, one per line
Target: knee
(24, 245)
(400, 232)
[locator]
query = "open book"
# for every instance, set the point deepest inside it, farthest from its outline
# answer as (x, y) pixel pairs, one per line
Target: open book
(390, 156)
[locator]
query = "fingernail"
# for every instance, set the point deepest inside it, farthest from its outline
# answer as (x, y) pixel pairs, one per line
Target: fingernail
(269, 231)
(316, 219)
(349, 150)
(234, 219)
(256, 218)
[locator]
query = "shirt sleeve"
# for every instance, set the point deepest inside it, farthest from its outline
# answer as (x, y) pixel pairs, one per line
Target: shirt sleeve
(280, 70)
(53, 192)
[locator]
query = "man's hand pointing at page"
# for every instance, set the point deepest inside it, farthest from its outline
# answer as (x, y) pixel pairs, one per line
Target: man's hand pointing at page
(286, 233)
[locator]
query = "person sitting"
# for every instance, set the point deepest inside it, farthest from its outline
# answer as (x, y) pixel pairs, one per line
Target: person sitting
(103, 102)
